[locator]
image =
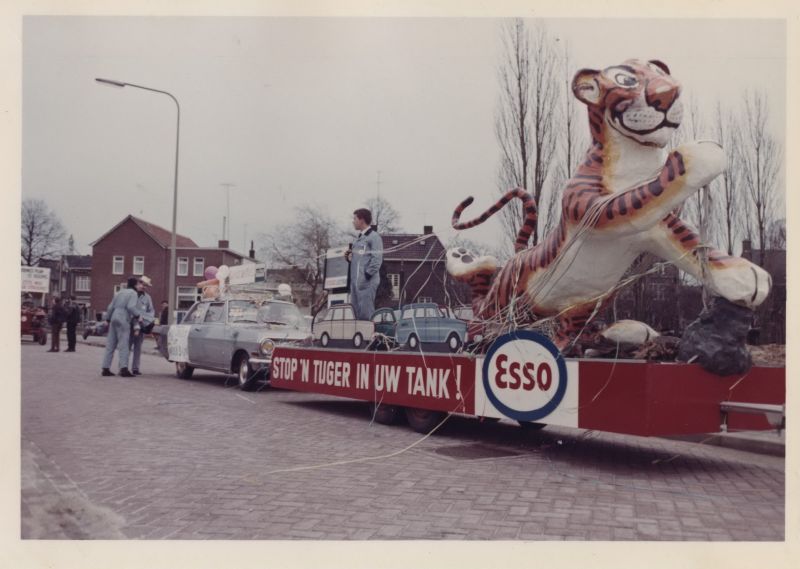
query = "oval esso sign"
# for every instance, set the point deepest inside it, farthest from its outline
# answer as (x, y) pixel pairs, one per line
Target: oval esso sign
(524, 375)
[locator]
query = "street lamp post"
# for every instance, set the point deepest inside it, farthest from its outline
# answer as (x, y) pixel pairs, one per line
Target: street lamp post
(172, 259)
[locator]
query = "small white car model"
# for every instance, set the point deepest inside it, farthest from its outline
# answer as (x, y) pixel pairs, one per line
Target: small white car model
(338, 323)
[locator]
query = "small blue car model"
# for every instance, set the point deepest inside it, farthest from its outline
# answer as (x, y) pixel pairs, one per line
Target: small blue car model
(427, 323)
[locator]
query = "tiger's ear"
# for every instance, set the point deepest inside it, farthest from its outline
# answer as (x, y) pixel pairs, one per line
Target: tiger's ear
(661, 65)
(586, 87)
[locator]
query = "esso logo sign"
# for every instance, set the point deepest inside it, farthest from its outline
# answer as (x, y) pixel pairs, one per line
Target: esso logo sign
(524, 375)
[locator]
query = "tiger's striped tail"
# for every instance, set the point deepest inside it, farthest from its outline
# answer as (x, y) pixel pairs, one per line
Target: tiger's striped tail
(527, 227)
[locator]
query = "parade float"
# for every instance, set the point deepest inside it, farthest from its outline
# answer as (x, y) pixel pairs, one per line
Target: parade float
(536, 313)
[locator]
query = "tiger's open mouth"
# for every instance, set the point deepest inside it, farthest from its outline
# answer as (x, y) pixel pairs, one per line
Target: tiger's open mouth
(644, 120)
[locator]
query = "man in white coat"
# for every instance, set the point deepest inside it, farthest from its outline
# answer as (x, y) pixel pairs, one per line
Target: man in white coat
(121, 312)
(365, 257)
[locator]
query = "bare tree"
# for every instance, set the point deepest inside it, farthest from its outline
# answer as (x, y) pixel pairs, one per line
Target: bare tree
(383, 214)
(761, 157)
(571, 132)
(731, 210)
(42, 234)
(527, 116)
(302, 244)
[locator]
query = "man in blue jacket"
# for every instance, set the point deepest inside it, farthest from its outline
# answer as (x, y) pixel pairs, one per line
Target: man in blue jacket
(365, 257)
(122, 310)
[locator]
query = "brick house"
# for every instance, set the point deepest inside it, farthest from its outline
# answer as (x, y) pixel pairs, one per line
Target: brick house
(75, 272)
(414, 271)
(136, 247)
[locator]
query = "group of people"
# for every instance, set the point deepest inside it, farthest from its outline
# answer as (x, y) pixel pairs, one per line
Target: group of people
(68, 313)
(130, 316)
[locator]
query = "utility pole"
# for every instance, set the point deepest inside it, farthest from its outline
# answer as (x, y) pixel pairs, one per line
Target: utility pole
(228, 186)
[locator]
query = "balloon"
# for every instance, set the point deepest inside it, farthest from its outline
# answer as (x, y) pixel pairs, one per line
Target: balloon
(210, 272)
(284, 289)
(222, 273)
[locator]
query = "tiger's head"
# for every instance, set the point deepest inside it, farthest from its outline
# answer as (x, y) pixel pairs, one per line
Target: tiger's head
(638, 99)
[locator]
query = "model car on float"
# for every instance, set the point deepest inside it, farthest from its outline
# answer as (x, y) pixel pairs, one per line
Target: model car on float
(338, 324)
(427, 323)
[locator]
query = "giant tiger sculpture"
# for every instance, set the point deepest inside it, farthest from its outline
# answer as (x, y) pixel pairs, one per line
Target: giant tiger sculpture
(619, 204)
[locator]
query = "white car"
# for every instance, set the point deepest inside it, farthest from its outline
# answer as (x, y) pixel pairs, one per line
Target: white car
(338, 323)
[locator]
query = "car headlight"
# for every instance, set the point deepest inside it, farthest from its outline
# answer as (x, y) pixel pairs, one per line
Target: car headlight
(266, 347)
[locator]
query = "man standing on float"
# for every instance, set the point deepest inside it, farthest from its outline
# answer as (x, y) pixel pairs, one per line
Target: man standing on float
(365, 257)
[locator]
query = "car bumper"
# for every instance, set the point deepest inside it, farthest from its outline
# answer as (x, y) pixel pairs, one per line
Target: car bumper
(261, 362)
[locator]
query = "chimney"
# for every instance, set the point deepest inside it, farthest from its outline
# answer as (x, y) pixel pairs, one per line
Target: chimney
(224, 244)
(427, 229)
(252, 251)
(747, 248)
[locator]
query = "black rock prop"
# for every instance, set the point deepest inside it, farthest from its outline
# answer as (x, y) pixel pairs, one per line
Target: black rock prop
(716, 340)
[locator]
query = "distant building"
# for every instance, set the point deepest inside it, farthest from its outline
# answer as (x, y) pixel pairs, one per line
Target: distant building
(135, 247)
(414, 271)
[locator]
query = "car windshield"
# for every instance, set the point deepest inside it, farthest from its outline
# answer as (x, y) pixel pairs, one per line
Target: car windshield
(242, 311)
(268, 313)
(280, 313)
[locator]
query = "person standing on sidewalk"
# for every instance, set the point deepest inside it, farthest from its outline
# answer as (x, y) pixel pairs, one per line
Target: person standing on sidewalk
(56, 320)
(365, 257)
(121, 312)
(141, 326)
(73, 317)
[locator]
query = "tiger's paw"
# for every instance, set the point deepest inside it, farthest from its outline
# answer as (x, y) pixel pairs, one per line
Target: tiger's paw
(741, 282)
(463, 264)
(704, 161)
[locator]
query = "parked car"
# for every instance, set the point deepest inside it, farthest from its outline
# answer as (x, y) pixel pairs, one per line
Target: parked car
(232, 336)
(33, 322)
(427, 323)
(338, 323)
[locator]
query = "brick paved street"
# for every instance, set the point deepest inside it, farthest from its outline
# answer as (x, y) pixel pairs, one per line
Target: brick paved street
(157, 457)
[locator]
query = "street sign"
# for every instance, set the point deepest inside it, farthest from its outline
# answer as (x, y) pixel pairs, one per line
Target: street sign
(35, 279)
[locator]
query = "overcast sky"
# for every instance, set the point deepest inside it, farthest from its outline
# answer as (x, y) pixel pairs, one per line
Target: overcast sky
(294, 111)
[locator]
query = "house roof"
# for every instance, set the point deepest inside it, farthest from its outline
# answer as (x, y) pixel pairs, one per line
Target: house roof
(160, 235)
(78, 261)
(412, 247)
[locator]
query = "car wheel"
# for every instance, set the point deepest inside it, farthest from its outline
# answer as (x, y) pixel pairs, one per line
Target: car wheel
(358, 340)
(413, 342)
(324, 340)
(531, 426)
(247, 377)
(42, 338)
(183, 370)
(453, 342)
(423, 420)
(384, 414)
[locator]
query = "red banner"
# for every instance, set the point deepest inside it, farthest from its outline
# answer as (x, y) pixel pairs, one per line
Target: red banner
(433, 381)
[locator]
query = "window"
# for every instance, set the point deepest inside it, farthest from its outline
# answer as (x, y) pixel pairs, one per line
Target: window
(431, 312)
(215, 312)
(408, 313)
(394, 282)
(138, 265)
(379, 317)
(187, 296)
(419, 312)
(196, 314)
(63, 283)
(119, 265)
(199, 266)
(349, 314)
(424, 299)
(83, 283)
(183, 267)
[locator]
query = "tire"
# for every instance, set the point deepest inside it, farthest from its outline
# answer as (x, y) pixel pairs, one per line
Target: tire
(423, 420)
(453, 342)
(42, 339)
(324, 340)
(384, 414)
(413, 342)
(358, 341)
(183, 370)
(530, 426)
(248, 379)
